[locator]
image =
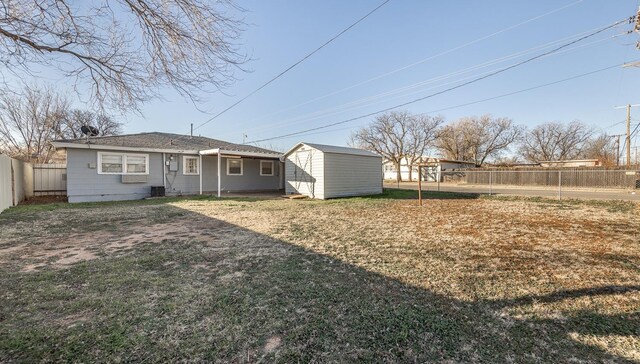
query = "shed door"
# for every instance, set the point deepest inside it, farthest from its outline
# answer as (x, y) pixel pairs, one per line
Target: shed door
(303, 178)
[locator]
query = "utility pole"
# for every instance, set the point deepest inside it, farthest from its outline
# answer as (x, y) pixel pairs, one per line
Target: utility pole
(628, 138)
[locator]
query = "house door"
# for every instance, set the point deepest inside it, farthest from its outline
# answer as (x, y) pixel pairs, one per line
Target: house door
(303, 180)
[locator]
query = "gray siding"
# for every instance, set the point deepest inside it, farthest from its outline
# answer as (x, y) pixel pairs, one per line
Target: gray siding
(304, 179)
(251, 180)
(84, 184)
(351, 175)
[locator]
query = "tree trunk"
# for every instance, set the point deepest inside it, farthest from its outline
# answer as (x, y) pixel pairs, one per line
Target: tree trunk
(398, 174)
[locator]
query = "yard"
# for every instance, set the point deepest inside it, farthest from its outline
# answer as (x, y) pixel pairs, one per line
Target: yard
(465, 278)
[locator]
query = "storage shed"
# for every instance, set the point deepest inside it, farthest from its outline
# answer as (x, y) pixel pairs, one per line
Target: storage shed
(327, 171)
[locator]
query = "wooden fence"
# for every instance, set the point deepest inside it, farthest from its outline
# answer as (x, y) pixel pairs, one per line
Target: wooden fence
(16, 181)
(615, 178)
(49, 179)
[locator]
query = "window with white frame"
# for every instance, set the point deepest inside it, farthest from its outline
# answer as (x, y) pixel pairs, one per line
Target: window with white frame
(122, 163)
(190, 165)
(234, 166)
(266, 168)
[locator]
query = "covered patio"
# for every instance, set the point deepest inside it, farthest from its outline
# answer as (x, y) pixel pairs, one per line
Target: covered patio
(264, 172)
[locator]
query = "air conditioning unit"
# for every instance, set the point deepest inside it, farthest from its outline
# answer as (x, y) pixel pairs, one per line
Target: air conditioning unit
(134, 178)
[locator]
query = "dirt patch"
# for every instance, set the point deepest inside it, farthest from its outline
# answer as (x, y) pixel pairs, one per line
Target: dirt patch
(42, 200)
(63, 250)
(272, 344)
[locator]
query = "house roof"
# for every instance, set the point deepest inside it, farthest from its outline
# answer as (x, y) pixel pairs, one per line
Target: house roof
(334, 149)
(162, 142)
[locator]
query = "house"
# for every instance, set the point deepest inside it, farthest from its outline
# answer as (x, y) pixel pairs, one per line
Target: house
(126, 167)
(326, 171)
(571, 163)
(432, 173)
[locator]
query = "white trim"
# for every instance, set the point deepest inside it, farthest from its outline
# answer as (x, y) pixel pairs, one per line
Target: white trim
(184, 165)
(121, 148)
(124, 163)
(241, 166)
(272, 168)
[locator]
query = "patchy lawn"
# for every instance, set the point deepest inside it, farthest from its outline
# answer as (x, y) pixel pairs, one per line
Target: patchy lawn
(463, 279)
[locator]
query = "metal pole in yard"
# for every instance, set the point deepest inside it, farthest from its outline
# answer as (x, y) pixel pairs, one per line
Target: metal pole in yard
(419, 186)
(490, 183)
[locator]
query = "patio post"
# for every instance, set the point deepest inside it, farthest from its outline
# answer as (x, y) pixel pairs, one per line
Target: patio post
(200, 170)
(219, 163)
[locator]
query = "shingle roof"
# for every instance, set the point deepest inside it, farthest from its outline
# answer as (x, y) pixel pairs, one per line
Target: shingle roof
(157, 140)
(335, 149)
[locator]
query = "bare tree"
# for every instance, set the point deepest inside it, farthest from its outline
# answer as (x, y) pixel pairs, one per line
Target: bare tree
(28, 123)
(476, 139)
(601, 147)
(73, 120)
(555, 141)
(124, 50)
(31, 118)
(388, 136)
(422, 133)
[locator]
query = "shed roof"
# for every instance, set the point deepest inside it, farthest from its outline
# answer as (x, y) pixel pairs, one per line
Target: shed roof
(160, 141)
(334, 149)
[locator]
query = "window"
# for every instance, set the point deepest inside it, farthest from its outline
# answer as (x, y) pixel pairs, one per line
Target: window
(136, 164)
(121, 163)
(190, 165)
(234, 166)
(111, 163)
(266, 168)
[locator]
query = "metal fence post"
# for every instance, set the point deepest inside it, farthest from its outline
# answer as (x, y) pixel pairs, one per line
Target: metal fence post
(490, 183)
(559, 185)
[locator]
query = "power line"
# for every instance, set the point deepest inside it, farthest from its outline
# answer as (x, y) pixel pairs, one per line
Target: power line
(495, 97)
(293, 65)
(502, 70)
(370, 100)
(389, 73)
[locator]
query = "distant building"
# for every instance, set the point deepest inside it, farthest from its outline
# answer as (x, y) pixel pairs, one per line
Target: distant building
(571, 163)
(431, 173)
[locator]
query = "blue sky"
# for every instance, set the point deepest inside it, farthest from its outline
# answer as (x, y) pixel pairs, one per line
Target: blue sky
(402, 33)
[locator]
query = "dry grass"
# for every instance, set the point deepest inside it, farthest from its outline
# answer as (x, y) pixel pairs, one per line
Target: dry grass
(373, 279)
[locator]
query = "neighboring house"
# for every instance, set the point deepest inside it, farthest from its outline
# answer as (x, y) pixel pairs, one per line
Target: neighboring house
(325, 171)
(571, 163)
(126, 167)
(432, 173)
